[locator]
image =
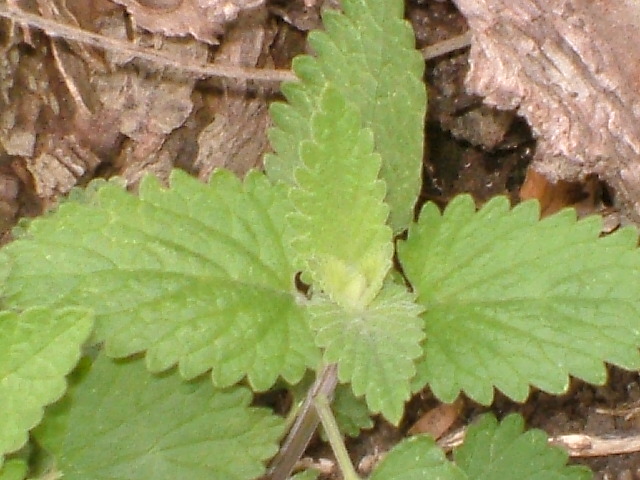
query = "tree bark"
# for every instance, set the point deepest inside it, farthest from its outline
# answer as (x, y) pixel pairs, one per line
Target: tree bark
(572, 69)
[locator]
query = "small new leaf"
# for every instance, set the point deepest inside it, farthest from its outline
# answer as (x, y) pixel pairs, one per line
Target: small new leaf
(367, 53)
(121, 422)
(38, 348)
(375, 349)
(512, 301)
(196, 274)
(338, 227)
(493, 451)
(352, 414)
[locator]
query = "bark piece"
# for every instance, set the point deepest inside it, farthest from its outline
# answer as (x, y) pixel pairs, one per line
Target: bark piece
(58, 164)
(204, 19)
(572, 69)
(236, 138)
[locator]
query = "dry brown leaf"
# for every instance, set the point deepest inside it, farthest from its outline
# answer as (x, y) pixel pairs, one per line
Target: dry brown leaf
(204, 19)
(554, 196)
(437, 421)
(572, 68)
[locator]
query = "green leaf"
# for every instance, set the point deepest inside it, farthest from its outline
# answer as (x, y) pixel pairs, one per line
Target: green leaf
(511, 301)
(493, 451)
(366, 52)
(417, 458)
(14, 469)
(120, 422)
(38, 347)
(369, 54)
(340, 236)
(375, 349)
(351, 412)
(197, 275)
(293, 119)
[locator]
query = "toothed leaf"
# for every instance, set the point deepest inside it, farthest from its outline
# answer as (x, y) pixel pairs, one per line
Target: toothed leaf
(511, 301)
(38, 348)
(196, 274)
(375, 348)
(493, 451)
(121, 422)
(338, 225)
(367, 53)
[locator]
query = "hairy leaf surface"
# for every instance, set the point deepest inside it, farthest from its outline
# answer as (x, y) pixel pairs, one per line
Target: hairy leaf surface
(511, 301)
(38, 348)
(119, 422)
(196, 274)
(367, 53)
(375, 349)
(338, 225)
(493, 451)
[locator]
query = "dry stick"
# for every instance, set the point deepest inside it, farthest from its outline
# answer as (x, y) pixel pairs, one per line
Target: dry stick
(575, 444)
(582, 445)
(69, 32)
(304, 427)
(446, 46)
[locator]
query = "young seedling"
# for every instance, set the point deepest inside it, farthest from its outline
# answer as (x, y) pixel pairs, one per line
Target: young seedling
(165, 311)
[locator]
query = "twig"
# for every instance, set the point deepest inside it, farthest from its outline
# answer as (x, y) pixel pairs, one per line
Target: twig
(446, 46)
(304, 427)
(582, 445)
(69, 32)
(576, 444)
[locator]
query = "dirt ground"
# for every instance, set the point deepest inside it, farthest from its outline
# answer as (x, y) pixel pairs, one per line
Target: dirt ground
(471, 148)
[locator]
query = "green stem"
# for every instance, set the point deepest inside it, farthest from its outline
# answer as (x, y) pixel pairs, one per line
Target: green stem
(335, 437)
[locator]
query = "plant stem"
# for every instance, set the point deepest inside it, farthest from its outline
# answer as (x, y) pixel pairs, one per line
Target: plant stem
(304, 426)
(330, 425)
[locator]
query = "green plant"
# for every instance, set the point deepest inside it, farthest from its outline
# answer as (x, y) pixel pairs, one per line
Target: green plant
(167, 309)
